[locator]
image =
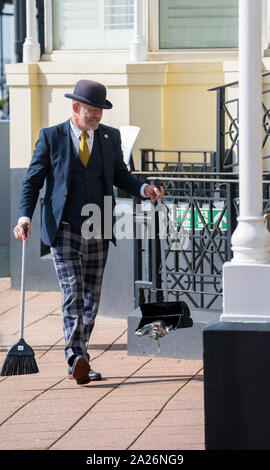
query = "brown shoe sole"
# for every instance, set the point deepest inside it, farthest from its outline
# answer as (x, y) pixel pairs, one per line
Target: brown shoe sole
(92, 377)
(81, 371)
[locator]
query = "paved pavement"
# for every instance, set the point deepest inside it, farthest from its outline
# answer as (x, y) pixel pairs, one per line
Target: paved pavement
(142, 403)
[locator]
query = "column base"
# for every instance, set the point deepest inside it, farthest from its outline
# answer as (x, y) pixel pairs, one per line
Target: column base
(251, 241)
(138, 50)
(237, 386)
(246, 292)
(31, 52)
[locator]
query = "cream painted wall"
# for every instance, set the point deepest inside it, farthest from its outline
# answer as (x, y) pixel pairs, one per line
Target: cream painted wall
(168, 101)
(56, 108)
(146, 113)
(189, 117)
(25, 124)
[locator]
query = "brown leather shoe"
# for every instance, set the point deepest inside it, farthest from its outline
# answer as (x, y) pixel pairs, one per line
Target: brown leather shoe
(92, 374)
(80, 370)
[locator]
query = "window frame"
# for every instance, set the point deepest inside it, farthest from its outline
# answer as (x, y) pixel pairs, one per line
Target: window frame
(151, 28)
(154, 31)
(154, 35)
(49, 40)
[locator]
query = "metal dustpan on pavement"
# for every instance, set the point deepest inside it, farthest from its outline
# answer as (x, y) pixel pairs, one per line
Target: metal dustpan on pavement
(158, 318)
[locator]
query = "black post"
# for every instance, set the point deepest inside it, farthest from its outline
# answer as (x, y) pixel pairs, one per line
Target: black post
(237, 386)
(137, 257)
(40, 20)
(220, 130)
(231, 216)
(156, 275)
(144, 159)
(20, 28)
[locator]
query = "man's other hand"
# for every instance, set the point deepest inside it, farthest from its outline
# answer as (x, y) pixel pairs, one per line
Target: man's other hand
(153, 192)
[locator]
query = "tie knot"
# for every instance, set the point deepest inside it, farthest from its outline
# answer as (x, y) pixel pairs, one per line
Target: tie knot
(84, 135)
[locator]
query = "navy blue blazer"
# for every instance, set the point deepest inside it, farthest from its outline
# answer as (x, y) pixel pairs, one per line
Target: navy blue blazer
(51, 162)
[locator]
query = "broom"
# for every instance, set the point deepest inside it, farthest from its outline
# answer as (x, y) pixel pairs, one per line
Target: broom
(20, 357)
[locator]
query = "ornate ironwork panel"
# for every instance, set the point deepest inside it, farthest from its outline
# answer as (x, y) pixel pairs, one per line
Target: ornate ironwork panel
(227, 145)
(199, 219)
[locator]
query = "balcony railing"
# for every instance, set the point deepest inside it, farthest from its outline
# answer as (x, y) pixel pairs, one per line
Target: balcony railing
(177, 160)
(227, 126)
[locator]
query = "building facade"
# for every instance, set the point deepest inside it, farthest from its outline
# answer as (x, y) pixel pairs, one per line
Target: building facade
(158, 60)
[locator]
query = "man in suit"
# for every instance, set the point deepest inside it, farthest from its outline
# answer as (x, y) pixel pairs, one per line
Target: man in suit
(81, 160)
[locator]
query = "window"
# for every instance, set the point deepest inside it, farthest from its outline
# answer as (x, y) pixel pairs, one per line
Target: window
(198, 24)
(93, 24)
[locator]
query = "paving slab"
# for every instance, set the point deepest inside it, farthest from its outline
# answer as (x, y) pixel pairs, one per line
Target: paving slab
(142, 403)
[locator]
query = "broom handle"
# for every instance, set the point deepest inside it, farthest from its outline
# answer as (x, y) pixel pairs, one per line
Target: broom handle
(163, 259)
(22, 289)
(163, 266)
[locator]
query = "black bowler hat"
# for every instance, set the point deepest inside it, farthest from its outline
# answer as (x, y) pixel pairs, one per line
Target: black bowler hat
(90, 92)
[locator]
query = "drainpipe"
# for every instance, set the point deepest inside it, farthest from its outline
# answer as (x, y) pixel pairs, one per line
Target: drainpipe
(138, 48)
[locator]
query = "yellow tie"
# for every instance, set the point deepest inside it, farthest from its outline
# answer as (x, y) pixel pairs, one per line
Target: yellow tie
(84, 153)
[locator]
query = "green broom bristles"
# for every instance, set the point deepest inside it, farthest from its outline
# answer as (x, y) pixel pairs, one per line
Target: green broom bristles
(20, 360)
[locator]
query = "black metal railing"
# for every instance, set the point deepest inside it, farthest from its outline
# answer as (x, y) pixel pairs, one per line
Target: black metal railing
(187, 262)
(227, 127)
(177, 160)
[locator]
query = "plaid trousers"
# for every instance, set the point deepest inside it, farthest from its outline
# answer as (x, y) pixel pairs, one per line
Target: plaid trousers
(79, 265)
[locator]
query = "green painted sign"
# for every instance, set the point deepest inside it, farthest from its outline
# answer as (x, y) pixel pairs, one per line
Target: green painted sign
(205, 213)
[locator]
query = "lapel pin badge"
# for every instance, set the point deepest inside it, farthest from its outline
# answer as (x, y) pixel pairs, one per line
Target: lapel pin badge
(106, 136)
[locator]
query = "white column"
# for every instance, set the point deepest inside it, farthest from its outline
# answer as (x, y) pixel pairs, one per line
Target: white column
(138, 48)
(31, 47)
(251, 240)
(246, 279)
